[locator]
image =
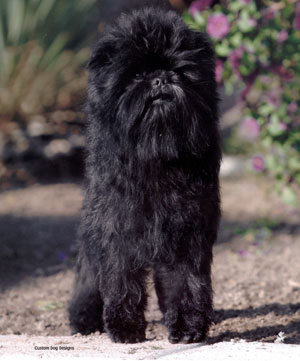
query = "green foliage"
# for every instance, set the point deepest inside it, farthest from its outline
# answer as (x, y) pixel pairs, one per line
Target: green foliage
(24, 20)
(260, 51)
(49, 305)
(41, 53)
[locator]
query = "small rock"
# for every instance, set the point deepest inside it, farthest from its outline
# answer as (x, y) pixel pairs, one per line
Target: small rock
(37, 127)
(280, 337)
(232, 166)
(56, 147)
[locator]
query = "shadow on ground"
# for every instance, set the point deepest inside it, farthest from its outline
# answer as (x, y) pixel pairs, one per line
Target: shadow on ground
(41, 246)
(290, 330)
(35, 246)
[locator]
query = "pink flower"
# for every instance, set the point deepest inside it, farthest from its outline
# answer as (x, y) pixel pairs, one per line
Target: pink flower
(274, 98)
(199, 5)
(218, 26)
(271, 11)
(282, 126)
(219, 71)
(292, 107)
(265, 79)
(249, 129)
(235, 58)
(285, 74)
(258, 163)
(270, 14)
(282, 36)
(252, 22)
(246, 1)
(243, 253)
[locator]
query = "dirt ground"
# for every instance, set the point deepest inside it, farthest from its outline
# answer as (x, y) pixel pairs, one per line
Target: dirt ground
(256, 273)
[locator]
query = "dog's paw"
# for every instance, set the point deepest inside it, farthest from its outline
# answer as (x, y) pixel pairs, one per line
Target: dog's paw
(126, 336)
(123, 326)
(189, 327)
(186, 337)
(84, 324)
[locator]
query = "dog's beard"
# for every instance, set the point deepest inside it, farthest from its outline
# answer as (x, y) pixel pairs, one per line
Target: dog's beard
(164, 125)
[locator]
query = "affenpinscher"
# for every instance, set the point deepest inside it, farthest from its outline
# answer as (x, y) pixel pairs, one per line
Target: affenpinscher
(152, 188)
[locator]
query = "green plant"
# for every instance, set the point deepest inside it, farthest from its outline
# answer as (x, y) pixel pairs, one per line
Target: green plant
(258, 47)
(42, 50)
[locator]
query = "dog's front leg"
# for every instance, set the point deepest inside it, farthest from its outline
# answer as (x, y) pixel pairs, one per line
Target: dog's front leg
(124, 304)
(185, 298)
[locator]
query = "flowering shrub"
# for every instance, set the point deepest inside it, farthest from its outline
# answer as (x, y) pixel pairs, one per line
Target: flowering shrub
(258, 47)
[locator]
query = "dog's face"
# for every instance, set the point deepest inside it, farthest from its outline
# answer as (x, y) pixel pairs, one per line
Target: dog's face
(156, 79)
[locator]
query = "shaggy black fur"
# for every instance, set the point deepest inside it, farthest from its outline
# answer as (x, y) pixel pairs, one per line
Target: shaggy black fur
(152, 192)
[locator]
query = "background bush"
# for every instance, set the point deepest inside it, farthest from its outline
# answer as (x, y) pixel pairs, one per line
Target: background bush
(258, 49)
(44, 45)
(41, 53)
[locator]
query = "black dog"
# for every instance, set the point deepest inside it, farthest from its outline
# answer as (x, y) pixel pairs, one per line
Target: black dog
(152, 192)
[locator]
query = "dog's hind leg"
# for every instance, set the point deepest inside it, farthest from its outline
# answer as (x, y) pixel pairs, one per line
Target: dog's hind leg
(86, 306)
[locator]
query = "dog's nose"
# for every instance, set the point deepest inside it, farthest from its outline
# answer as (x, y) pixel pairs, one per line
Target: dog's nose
(159, 82)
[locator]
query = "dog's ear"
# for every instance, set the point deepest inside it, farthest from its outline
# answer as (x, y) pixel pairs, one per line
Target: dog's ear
(205, 53)
(101, 55)
(204, 44)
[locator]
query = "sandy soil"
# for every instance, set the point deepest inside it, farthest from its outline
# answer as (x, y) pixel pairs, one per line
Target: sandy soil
(256, 271)
(92, 347)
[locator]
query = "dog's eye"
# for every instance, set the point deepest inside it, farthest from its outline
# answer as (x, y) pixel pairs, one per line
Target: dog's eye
(138, 75)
